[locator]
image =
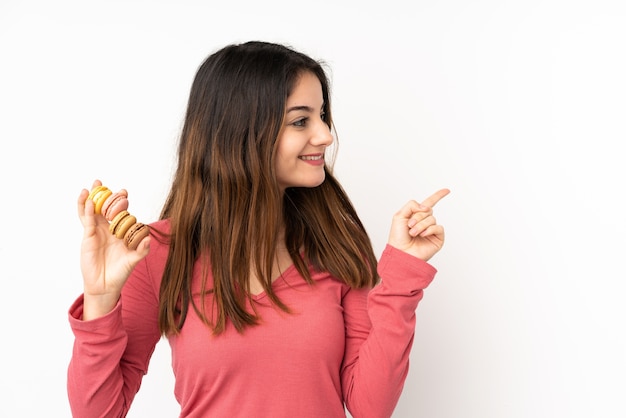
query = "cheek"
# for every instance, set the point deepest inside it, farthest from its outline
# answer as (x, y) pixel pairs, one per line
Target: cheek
(281, 164)
(284, 165)
(287, 153)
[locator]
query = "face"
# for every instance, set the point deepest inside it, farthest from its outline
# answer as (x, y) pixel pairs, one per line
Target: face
(303, 137)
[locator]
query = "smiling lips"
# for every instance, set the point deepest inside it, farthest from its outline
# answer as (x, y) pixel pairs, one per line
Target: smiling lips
(315, 159)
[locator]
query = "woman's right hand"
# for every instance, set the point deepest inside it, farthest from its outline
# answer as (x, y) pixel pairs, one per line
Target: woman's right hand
(105, 261)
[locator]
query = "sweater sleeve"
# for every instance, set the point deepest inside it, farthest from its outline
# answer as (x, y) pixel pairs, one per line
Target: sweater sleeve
(380, 326)
(111, 353)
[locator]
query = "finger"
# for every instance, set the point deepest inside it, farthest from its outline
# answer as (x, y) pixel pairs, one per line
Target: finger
(84, 195)
(88, 218)
(410, 208)
(419, 227)
(435, 197)
(142, 249)
(82, 198)
(434, 231)
(86, 209)
(418, 216)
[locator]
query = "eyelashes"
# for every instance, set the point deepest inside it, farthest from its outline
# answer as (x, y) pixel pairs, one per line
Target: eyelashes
(302, 122)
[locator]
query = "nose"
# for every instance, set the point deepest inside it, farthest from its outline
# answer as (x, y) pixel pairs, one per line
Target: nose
(322, 135)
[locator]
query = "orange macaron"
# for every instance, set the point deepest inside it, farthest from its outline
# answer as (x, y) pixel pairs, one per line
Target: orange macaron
(121, 223)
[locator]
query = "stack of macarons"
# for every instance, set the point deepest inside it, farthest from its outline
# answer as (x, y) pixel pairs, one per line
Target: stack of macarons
(114, 208)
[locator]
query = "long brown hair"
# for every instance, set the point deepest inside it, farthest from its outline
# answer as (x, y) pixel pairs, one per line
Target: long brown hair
(225, 205)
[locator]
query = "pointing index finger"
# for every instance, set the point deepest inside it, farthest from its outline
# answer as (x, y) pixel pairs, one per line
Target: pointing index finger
(435, 197)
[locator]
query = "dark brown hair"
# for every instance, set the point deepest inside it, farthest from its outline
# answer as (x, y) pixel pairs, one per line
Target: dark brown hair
(225, 205)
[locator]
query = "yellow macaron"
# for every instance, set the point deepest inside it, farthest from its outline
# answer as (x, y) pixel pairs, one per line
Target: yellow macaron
(99, 194)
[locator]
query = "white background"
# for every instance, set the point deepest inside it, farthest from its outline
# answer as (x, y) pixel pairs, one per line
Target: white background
(517, 106)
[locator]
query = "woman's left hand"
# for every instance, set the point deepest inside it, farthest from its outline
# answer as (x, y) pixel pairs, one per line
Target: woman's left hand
(414, 229)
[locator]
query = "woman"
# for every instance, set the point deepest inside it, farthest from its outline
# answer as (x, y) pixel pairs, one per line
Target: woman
(259, 271)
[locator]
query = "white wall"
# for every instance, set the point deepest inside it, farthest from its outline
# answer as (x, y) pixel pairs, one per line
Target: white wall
(516, 106)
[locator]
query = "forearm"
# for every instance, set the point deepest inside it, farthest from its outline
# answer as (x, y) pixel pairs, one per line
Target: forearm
(375, 371)
(96, 382)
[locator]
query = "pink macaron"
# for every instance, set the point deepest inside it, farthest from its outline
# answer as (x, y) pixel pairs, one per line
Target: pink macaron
(114, 204)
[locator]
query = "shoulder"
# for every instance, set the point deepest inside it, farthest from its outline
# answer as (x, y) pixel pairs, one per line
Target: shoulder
(159, 248)
(160, 233)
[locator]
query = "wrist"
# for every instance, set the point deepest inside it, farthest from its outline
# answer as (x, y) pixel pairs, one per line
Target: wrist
(96, 306)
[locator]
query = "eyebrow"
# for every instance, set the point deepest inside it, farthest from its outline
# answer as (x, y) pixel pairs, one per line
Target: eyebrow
(304, 108)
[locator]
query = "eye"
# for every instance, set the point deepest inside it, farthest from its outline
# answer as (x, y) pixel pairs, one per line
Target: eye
(323, 116)
(300, 122)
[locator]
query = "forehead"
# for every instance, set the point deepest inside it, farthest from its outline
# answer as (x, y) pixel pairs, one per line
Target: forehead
(307, 91)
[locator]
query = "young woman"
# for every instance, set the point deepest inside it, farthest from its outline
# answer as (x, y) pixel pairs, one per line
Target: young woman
(259, 272)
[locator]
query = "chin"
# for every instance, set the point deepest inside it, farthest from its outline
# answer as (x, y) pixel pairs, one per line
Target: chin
(307, 184)
(316, 182)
